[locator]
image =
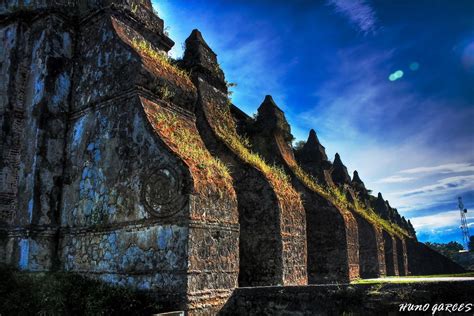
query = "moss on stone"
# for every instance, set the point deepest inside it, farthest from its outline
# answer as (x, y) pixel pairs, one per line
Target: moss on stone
(146, 49)
(225, 128)
(338, 198)
(182, 136)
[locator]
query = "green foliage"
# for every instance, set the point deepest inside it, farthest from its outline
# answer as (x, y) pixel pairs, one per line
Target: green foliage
(67, 294)
(166, 30)
(225, 128)
(161, 58)
(134, 7)
(471, 243)
(184, 139)
(338, 198)
(166, 93)
(299, 144)
(230, 85)
(448, 249)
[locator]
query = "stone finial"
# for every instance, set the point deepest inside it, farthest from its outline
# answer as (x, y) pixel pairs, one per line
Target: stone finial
(312, 157)
(196, 35)
(268, 103)
(359, 186)
(196, 38)
(339, 172)
(356, 178)
(313, 150)
(272, 119)
(380, 207)
(313, 138)
(201, 61)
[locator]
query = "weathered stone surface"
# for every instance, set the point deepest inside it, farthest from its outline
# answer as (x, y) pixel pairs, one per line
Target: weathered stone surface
(100, 65)
(37, 82)
(138, 11)
(272, 239)
(108, 230)
(384, 210)
(199, 57)
(333, 252)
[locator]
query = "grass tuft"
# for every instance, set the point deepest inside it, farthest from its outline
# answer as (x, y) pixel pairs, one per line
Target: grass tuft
(337, 197)
(166, 62)
(224, 126)
(181, 135)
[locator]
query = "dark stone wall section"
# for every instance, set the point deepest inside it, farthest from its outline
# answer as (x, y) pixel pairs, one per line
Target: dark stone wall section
(330, 255)
(371, 250)
(346, 299)
(402, 257)
(35, 81)
(259, 243)
(422, 260)
(390, 249)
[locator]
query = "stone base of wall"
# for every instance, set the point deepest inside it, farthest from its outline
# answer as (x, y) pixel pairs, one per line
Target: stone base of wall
(363, 299)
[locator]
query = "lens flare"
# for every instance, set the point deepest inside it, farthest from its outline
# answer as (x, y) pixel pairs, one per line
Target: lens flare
(396, 75)
(468, 57)
(414, 66)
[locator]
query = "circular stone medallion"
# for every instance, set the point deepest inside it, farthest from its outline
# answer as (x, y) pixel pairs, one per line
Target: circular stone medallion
(163, 192)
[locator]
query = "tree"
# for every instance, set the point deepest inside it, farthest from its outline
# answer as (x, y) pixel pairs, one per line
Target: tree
(471, 243)
(448, 249)
(299, 144)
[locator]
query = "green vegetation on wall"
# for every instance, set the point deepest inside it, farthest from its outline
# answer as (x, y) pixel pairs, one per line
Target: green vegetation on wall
(61, 293)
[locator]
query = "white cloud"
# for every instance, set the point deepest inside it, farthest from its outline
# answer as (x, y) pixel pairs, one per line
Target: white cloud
(439, 220)
(446, 168)
(395, 179)
(442, 186)
(359, 12)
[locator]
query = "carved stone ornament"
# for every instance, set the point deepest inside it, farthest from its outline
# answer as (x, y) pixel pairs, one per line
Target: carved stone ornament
(163, 192)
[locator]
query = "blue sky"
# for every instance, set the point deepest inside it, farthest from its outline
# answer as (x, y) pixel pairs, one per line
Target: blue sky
(387, 84)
